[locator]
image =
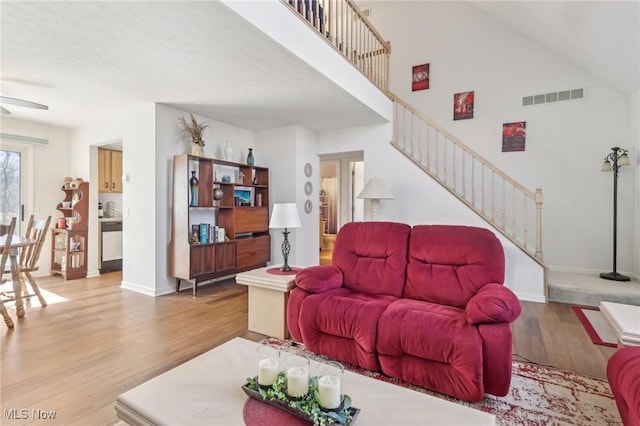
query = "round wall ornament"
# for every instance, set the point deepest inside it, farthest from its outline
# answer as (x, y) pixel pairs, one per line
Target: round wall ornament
(308, 188)
(308, 206)
(308, 170)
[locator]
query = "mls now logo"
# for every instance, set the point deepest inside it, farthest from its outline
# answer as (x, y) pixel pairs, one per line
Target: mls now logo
(24, 414)
(16, 414)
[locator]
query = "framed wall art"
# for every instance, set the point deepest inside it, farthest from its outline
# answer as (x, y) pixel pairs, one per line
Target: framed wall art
(463, 105)
(514, 136)
(420, 77)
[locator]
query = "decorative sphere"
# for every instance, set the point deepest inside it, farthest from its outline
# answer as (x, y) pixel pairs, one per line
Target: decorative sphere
(217, 194)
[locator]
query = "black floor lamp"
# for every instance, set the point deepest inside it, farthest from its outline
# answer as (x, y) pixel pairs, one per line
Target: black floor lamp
(612, 163)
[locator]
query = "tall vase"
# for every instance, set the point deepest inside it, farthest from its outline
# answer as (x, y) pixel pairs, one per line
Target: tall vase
(250, 160)
(194, 188)
(228, 151)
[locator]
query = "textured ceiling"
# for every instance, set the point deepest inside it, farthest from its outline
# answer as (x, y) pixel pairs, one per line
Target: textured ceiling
(88, 60)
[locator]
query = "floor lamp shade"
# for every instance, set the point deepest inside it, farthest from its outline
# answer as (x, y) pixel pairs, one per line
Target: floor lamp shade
(374, 191)
(285, 215)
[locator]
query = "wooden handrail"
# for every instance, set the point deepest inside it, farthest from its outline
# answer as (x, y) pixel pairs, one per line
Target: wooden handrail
(465, 147)
(343, 25)
(435, 153)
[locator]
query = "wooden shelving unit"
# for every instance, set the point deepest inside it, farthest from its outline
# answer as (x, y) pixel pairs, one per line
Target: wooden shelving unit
(242, 210)
(69, 243)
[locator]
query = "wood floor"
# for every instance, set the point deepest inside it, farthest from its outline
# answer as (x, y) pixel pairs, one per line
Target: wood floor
(76, 356)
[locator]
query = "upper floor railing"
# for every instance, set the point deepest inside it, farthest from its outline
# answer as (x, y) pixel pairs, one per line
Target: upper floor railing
(345, 27)
(511, 208)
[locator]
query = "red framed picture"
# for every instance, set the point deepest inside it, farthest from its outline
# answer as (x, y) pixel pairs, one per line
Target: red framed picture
(420, 77)
(463, 105)
(513, 136)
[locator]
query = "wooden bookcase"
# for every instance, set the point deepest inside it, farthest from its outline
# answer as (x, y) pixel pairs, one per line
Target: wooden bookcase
(242, 210)
(69, 243)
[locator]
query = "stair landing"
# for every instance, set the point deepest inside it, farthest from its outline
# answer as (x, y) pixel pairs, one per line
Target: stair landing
(590, 289)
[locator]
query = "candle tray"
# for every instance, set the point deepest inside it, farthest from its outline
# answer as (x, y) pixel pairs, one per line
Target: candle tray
(296, 412)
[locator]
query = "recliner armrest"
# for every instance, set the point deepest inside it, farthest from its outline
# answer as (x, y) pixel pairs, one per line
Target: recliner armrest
(493, 303)
(317, 279)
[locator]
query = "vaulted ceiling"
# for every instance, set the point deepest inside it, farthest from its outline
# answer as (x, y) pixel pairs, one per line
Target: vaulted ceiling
(87, 60)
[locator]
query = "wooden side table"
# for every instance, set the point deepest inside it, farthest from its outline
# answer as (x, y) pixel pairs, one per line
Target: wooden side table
(268, 295)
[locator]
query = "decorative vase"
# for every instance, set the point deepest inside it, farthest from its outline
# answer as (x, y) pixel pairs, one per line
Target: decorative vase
(194, 188)
(250, 160)
(197, 150)
(228, 151)
(218, 194)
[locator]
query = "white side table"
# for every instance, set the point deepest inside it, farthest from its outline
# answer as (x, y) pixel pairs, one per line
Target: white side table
(624, 320)
(268, 295)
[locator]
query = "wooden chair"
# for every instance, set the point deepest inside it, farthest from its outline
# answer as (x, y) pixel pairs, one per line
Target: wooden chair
(36, 230)
(3, 262)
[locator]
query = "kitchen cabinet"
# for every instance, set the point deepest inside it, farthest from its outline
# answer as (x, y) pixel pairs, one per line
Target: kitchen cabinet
(109, 170)
(228, 195)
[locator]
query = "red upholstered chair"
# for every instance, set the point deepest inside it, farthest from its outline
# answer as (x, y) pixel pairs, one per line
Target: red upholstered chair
(334, 309)
(623, 374)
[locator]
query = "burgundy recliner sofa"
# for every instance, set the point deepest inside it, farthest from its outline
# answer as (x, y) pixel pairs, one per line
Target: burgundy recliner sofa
(425, 305)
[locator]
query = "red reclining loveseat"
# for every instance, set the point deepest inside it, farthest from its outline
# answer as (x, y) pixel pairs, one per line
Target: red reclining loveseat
(423, 304)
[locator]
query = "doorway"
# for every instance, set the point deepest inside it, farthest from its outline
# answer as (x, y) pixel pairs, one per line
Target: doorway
(341, 180)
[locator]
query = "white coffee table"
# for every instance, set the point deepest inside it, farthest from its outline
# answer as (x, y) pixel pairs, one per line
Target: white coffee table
(624, 320)
(207, 391)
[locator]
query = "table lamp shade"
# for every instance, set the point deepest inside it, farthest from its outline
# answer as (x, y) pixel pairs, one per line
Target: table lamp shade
(285, 215)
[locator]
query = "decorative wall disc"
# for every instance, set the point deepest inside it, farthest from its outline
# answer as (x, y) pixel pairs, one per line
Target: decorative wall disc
(308, 206)
(308, 188)
(308, 170)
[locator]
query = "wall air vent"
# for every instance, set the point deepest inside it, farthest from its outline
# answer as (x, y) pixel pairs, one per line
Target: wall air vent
(545, 98)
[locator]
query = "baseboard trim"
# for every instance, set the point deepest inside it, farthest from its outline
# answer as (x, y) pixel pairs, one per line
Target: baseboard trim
(528, 297)
(138, 288)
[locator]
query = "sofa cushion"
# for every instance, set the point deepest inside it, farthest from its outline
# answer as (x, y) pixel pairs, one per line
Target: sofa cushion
(448, 264)
(372, 256)
(432, 346)
(342, 324)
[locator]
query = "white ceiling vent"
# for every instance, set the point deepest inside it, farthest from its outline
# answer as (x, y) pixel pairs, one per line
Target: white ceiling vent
(545, 98)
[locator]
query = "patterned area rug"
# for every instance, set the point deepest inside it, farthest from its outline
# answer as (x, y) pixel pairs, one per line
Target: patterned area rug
(597, 328)
(538, 396)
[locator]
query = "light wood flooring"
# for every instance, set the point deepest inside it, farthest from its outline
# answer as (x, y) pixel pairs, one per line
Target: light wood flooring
(75, 357)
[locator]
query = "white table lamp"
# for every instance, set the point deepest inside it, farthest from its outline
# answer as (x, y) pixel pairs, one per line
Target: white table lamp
(374, 191)
(285, 216)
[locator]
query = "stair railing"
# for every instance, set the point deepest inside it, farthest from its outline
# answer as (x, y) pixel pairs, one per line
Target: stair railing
(343, 25)
(507, 205)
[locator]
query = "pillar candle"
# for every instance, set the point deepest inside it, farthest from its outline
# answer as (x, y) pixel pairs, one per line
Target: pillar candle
(329, 392)
(297, 381)
(267, 371)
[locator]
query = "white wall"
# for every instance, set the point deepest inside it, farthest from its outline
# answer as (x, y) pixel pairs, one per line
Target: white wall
(566, 142)
(420, 200)
(135, 128)
(287, 150)
(51, 163)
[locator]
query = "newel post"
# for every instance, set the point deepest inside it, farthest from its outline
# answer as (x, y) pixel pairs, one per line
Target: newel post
(538, 201)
